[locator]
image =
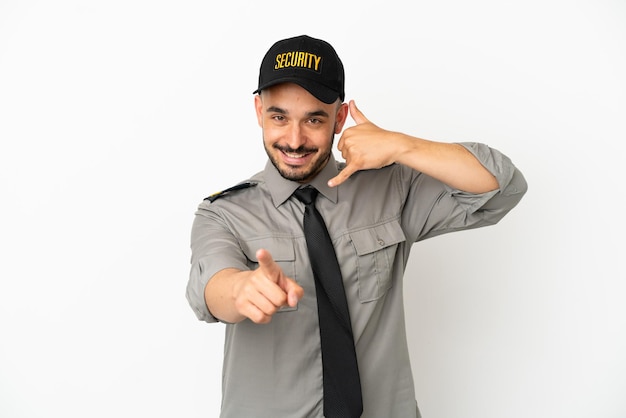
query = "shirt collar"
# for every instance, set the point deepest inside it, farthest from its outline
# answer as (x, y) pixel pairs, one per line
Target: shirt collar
(281, 189)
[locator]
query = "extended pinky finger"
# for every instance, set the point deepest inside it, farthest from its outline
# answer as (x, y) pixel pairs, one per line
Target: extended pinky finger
(341, 177)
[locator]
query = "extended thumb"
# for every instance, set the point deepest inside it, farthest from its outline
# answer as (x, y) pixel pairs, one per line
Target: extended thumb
(356, 114)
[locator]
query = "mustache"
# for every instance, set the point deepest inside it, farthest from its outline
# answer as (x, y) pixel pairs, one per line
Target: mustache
(299, 150)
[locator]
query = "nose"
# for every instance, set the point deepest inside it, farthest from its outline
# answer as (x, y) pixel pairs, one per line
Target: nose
(295, 136)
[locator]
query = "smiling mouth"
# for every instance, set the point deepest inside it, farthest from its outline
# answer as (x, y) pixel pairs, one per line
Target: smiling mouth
(295, 154)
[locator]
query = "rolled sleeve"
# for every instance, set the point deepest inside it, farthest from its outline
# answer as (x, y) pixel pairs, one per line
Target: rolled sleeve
(511, 182)
(213, 248)
(493, 160)
(198, 279)
(441, 209)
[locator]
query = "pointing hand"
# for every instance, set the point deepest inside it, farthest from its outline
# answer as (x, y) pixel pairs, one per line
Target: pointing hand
(262, 293)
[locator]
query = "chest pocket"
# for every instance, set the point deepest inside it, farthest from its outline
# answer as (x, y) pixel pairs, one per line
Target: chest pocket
(282, 252)
(376, 249)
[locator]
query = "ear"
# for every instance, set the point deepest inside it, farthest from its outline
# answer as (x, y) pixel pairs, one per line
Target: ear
(258, 106)
(342, 116)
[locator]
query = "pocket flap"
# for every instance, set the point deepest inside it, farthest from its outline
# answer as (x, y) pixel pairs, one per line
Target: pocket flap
(281, 249)
(375, 238)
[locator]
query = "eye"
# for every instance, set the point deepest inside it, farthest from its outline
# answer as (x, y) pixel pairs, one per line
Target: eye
(315, 121)
(278, 118)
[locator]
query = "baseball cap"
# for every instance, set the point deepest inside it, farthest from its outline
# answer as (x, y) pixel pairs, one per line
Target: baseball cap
(311, 63)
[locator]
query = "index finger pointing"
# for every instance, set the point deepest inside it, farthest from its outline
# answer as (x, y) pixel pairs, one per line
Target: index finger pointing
(267, 265)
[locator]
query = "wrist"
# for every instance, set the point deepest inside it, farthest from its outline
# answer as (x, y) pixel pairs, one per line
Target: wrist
(407, 149)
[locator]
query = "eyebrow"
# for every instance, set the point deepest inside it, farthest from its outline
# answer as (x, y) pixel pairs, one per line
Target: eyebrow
(276, 109)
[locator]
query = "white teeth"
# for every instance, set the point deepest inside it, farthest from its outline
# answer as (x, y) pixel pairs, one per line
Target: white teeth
(292, 155)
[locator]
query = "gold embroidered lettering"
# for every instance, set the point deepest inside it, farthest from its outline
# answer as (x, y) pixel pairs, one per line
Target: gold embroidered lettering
(298, 59)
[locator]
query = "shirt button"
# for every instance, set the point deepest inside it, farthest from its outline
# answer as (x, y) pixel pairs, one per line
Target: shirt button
(381, 242)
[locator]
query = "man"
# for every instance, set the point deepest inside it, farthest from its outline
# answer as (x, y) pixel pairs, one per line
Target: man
(254, 266)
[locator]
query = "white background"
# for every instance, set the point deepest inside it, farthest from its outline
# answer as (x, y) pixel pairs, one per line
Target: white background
(118, 117)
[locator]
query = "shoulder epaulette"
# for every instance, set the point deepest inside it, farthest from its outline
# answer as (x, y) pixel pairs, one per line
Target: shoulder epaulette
(239, 186)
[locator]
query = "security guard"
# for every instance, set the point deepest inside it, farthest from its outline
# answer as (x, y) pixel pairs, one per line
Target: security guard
(250, 267)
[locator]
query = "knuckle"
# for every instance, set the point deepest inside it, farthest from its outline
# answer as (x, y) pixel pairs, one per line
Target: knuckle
(259, 318)
(240, 304)
(265, 316)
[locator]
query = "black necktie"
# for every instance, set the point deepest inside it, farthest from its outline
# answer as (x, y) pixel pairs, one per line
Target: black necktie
(342, 385)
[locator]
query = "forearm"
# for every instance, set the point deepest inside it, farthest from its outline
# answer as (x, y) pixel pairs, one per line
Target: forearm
(367, 146)
(449, 163)
(219, 295)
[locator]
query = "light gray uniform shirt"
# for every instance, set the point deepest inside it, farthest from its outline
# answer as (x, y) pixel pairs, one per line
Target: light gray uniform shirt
(275, 370)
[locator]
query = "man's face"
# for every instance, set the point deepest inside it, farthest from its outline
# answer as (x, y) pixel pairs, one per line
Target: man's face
(298, 129)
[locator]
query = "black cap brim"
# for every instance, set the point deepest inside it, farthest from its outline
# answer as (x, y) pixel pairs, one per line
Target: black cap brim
(321, 92)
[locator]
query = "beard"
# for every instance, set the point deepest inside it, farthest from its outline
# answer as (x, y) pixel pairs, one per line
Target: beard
(297, 173)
